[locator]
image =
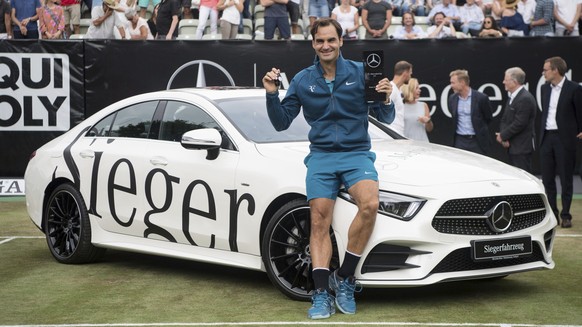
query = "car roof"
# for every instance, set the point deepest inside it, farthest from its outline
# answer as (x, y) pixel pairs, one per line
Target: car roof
(224, 92)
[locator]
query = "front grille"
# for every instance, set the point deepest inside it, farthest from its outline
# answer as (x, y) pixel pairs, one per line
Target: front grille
(469, 216)
(460, 260)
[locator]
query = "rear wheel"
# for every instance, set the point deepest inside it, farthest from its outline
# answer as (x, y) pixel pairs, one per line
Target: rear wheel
(67, 227)
(286, 252)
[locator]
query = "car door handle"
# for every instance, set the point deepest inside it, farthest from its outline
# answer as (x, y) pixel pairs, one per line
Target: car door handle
(158, 161)
(87, 154)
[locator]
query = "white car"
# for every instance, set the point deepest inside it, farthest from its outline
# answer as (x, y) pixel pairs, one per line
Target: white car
(200, 174)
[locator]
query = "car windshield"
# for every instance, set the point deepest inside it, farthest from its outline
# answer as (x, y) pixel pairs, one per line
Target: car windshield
(249, 115)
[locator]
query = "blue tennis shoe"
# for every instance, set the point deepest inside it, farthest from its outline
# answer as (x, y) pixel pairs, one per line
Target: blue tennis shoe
(322, 305)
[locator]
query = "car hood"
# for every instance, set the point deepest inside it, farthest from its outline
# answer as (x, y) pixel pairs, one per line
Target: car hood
(417, 164)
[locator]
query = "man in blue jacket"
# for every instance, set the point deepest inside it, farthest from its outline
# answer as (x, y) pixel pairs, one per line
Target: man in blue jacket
(332, 94)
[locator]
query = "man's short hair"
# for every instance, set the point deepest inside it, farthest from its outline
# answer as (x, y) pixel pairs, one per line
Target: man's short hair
(517, 74)
(462, 75)
(402, 67)
(559, 64)
(323, 22)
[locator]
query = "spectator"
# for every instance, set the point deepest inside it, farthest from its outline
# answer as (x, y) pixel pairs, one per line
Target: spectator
(497, 8)
(5, 20)
(317, 9)
(417, 7)
(490, 28)
(276, 16)
(376, 17)
(516, 130)
(542, 21)
(103, 21)
(207, 9)
(231, 10)
(471, 113)
(417, 121)
(294, 10)
(409, 30)
(143, 6)
(526, 8)
(443, 27)
(187, 9)
(72, 10)
(51, 21)
(24, 16)
(485, 5)
(167, 19)
(471, 18)
(450, 11)
(512, 23)
(397, 7)
(152, 22)
(567, 13)
(402, 74)
(359, 4)
(347, 16)
(136, 27)
(560, 128)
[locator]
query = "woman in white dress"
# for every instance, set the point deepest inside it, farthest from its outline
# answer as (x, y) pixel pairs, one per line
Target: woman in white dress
(349, 19)
(137, 28)
(417, 121)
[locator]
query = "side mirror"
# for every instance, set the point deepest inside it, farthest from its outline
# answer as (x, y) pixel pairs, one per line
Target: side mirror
(203, 139)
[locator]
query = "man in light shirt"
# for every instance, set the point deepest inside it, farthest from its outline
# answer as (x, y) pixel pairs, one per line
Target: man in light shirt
(566, 14)
(471, 18)
(526, 8)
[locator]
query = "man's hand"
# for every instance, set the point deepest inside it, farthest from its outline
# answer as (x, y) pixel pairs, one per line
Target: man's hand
(384, 86)
(269, 80)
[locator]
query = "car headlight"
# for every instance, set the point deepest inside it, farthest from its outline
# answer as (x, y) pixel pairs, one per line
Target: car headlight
(394, 205)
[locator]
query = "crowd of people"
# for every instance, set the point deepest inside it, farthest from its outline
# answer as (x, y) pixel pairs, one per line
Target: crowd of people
(131, 19)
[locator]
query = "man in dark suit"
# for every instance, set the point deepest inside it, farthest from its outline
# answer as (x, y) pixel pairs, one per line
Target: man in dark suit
(561, 127)
(516, 131)
(471, 111)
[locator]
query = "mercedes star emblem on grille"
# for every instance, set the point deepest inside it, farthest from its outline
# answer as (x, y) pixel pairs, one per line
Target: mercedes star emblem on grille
(499, 218)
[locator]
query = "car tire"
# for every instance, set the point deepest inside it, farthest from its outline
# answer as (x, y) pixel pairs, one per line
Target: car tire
(285, 250)
(67, 227)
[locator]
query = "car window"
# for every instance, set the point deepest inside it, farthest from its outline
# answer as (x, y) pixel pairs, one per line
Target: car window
(181, 117)
(134, 121)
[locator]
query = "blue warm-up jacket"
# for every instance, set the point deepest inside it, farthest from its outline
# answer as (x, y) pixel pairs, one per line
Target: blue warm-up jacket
(338, 119)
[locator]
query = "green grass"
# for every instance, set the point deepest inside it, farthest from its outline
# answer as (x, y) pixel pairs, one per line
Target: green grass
(135, 288)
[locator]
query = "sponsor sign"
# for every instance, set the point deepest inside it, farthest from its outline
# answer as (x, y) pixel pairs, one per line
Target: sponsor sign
(34, 92)
(11, 187)
(508, 248)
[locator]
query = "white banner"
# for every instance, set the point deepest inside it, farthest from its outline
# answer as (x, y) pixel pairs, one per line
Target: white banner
(11, 187)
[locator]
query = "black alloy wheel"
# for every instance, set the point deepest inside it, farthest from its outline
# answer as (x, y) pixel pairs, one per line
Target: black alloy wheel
(67, 227)
(286, 252)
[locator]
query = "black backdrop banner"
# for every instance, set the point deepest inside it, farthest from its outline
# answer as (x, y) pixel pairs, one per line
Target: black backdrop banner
(101, 72)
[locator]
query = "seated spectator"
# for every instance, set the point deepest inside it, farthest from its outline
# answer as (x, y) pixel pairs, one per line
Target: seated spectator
(276, 16)
(24, 17)
(450, 11)
(526, 8)
(347, 16)
(103, 21)
(51, 20)
(397, 7)
(512, 23)
(376, 17)
(5, 20)
(542, 23)
(442, 28)
(231, 15)
(471, 18)
(409, 30)
(497, 7)
(417, 121)
(136, 27)
(490, 28)
(417, 7)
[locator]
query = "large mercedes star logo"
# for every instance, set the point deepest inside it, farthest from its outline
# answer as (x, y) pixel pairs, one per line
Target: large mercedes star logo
(499, 218)
(373, 60)
(201, 78)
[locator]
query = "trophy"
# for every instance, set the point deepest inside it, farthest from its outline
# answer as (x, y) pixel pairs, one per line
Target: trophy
(373, 73)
